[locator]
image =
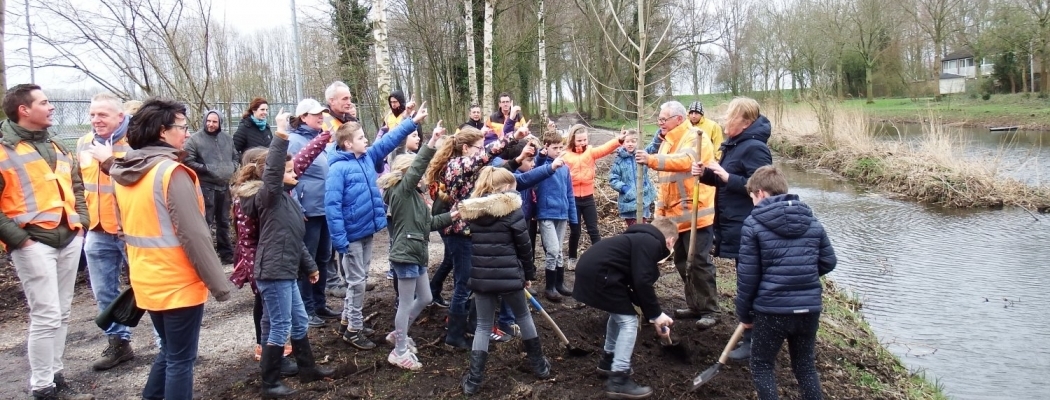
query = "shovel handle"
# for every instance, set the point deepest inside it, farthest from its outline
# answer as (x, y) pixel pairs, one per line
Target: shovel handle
(557, 330)
(733, 340)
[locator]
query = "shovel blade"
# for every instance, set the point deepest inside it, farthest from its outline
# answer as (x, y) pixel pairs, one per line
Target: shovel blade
(576, 351)
(705, 376)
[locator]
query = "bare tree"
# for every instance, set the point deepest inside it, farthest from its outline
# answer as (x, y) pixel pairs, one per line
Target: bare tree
(490, 16)
(871, 24)
(472, 63)
(382, 50)
(543, 64)
(934, 17)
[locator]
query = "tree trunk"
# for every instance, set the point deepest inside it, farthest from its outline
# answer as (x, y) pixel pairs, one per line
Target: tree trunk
(640, 104)
(3, 62)
(840, 80)
(382, 50)
(543, 66)
(868, 82)
(490, 15)
(472, 64)
(937, 70)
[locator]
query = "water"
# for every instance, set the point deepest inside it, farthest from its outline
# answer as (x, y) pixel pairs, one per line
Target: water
(963, 295)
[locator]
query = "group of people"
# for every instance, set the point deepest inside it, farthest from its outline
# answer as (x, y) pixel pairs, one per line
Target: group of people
(310, 185)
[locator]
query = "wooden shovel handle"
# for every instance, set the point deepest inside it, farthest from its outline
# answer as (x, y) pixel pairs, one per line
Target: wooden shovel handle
(538, 307)
(732, 342)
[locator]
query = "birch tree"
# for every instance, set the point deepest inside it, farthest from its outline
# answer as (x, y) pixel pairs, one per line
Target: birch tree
(472, 63)
(543, 64)
(382, 49)
(490, 15)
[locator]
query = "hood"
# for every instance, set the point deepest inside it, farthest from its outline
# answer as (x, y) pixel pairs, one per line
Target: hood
(784, 214)
(248, 189)
(493, 206)
(648, 229)
(623, 153)
(400, 99)
(204, 121)
(337, 155)
(476, 124)
(136, 163)
(759, 130)
(306, 131)
(14, 133)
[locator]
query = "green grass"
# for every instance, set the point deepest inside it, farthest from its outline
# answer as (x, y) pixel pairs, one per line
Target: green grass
(1000, 109)
(614, 124)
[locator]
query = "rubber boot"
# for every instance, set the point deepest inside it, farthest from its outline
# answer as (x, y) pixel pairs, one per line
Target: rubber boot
(560, 286)
(550, 280)
(534, 351)
(621, 386)
(476, 373)
(308, 369)
(455, 336)
(271, 386)
(289, 367)
(605, 364)
(743, 351)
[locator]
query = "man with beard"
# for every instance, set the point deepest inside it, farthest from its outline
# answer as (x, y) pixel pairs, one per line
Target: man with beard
(210, 153)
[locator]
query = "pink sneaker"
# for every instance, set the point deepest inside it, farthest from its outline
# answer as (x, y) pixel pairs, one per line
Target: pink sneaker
(393, 342)
(407, 361)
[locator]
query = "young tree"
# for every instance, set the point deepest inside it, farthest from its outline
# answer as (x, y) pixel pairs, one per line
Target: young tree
(472, 63)
(543, 64)
(490, 16)
(382, 50)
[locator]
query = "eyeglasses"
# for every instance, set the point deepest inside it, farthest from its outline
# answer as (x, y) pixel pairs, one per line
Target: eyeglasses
(174, 126)
(662, 119)
(480, 148)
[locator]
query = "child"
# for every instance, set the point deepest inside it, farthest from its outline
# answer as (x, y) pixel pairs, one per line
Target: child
(783, 253)
(281, 257)
(355, 211)
(410, 225)
(499, 269)
(581, 162)
(555, 205)
(623, 177)
(616, 275)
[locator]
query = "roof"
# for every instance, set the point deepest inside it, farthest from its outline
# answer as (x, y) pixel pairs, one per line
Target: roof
(958, 55)
(951, 76)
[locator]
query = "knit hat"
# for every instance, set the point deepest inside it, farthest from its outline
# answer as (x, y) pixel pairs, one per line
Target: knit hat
(697, 107)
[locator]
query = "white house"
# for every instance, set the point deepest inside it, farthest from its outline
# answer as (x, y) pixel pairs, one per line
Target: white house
(951, 83)
(961, 63)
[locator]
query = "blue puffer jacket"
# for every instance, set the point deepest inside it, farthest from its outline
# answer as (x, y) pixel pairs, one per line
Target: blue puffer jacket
(783, 253)
(554, 199)
(353, 204)
(310, 190)
(623, 177)
(526, 182)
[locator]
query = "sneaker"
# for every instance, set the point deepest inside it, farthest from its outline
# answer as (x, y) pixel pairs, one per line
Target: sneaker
(258, 352)
(338, 292)
(706, 322)
(389, 275)
(407, 360)
(499, 336)
(358, 340)
(368, 331)
(327, 313)
(411, 343)
(512, 329)
(316, 322)
(570, 264)
(440, 302)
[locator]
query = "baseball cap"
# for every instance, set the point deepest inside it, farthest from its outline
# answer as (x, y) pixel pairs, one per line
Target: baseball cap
(309, 106)
(697, 107)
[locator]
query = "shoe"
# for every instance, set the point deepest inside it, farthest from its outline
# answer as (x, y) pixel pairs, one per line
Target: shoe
(411, 345)
(570, 264)
(64, 391)
(440, 302)
(338, 292)
(499, 336)
(605, 364)
(258, 352)
(407, 361)
(476, 373)
(118, 351)
(289, 367)
(358, 340)
(742, 352)
(551, 278)
(271, 386)
(316, 322)
(226, 260)
(706, 322)
(369, 286)
(541, 367)
(368, 331)
(52, 393)
(686, 313)
(327, 313)
(621, 386)
(308, 369)
(512, 329)
(455, 336)
(559, 283)
(389, 275)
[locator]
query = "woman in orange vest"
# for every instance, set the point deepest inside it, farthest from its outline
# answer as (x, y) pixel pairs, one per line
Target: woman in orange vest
(173, 265)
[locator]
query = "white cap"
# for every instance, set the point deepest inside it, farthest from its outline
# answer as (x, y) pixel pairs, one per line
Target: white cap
(309, 106)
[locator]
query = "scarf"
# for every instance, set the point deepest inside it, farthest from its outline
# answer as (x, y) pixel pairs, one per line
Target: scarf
(261, 123)
(117, 134)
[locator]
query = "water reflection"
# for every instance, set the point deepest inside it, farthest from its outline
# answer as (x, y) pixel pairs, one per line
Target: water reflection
(962, 294)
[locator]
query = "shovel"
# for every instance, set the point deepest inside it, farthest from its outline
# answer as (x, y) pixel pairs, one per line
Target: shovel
(677, 350)
(569, 349)
(710, 373)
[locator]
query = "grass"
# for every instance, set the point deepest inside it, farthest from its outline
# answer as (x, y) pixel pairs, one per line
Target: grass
(648, 129)
(1000, 110)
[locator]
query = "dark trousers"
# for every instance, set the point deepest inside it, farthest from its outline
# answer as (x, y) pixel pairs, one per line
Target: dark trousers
(171, 377)
(257, 312)
(462, 249)
(701, 294)
(217, 212)
(767, 336)
(587, 214)
(319, 245)
(445, 268)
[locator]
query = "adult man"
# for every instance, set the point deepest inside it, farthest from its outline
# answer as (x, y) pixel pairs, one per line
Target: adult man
(340, 104)
(210, 153)
(341, 109)
(475, 118)
(711, 128)
(676, 149)
(103, 246)
(496, 120)
(42, 229)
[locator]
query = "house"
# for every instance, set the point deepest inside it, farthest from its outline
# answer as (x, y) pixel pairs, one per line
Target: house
(951, 83)
(956, 68)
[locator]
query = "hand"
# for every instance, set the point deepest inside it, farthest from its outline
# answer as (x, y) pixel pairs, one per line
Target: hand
(410, 106)
(746, 326)
(661, 322)
(27, 243)
(551, 125)
(436, 134)
(622, 136)
(496, 147)
(421, 114)
(522, 132)
(282, 120)
(641, 157)
(557, 163)
(528, 284)
(515, 111)
(101, 151)
(718, 170)
(314, 277)
(697, 169)
(454, 214)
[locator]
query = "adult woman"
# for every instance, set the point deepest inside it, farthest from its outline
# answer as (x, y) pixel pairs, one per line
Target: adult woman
(173, 265)
(253, 130)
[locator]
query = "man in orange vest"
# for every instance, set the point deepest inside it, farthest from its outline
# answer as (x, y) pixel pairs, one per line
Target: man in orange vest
(103, 245)
(498, 118)
(676, 148)
(42, 228)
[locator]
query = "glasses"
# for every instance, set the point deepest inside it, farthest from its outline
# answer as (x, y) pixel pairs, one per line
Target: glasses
(662, 119)
(480, 148)
(182, 127)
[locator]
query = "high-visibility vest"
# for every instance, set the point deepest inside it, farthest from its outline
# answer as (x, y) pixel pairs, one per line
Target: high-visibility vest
(497, 125)
(34, 194)
(392, 121)
(98, 187)
(161, 273)
(330, 123)
(675, 185)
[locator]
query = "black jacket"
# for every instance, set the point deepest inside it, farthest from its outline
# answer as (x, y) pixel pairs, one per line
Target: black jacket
(249, 135)
(784, 251)
(741, 156)
(501, 260)
(281, 252)
(619, 272)
(211, 155)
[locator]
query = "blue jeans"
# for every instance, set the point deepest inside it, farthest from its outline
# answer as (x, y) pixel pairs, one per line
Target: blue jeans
(461, 248)
(506, 314)
(171, 377)
(285, 308)
(105, 257)
(620, 333)
(319, 245)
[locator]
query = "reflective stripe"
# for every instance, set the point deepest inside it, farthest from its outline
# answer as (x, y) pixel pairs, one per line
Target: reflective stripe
(14, 162)
(686, 218)
(94, 187)
(675, 177)
(167, 236)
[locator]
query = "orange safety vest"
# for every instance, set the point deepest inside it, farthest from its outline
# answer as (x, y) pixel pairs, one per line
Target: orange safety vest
(34, 194)
(330, 123)
(497, 127)
(675, 184)
(98, 187)
(161, 273)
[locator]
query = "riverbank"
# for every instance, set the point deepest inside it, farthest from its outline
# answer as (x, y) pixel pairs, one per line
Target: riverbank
(1000, 110)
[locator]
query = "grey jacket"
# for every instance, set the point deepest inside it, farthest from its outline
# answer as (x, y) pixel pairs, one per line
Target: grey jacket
(212, 156)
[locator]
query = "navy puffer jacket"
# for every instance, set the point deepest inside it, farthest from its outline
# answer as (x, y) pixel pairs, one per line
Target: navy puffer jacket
(783, 253)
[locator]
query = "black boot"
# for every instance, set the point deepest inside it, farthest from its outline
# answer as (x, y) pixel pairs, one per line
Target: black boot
(308, 369)
(472, 380)
(455, 336)
(549, 281)
(540, 366)
(271, 386)
(560, 286)
(621, 386)
(289, 367)
(605, 364)
(742, 352)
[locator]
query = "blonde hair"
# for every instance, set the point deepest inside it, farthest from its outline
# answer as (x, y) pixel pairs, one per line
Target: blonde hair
(451, 147)
(110, 100)
(492, 180)
(132, 106)
(744, 107)
(252, 164)
(631, 132)
(347, 131)
(398, 168)
(666, 227)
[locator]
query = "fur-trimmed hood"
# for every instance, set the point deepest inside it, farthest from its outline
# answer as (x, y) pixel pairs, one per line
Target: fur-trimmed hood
(494, 205)
(248, 189)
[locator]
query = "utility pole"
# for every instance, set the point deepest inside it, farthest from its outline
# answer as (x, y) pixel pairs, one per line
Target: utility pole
(297, 69)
